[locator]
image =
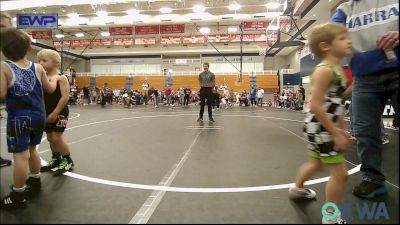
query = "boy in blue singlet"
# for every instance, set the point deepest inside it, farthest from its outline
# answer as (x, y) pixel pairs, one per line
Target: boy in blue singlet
(22, 84)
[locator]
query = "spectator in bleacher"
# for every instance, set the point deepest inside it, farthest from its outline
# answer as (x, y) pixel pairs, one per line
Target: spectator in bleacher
(106, 95)
(237, 97)
(215, 97)
(168, 92)
(181, 96)
(227, 98)
(276, 99)
(243, 99)
(303, 92)
(299, 101)
(253, 95)
(260, 95)
(86, 94)
(150, 94)
(117, 93)
(110, 95)
(269, 103)
(187, 93)
(156, 96)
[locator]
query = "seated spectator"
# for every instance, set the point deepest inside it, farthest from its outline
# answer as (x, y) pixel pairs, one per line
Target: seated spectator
(244, 99)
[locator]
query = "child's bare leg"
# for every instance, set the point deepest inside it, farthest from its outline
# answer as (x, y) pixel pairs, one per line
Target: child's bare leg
(336, 184)
(21, 168)
(58, 144)
(306, 171)
(34, 160)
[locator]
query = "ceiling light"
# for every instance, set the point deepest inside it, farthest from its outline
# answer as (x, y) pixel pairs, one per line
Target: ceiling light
(102, 20)
(198, 8)
(73, 15)
(59, 35)
(101, 13)
(272, 5)
(205, 30)
(79, 35)
(128, 19)
(167, 17)
(234, 6)
(232, 29)
(165, 10)
(105, 33)
(132, 11)
(75, 21)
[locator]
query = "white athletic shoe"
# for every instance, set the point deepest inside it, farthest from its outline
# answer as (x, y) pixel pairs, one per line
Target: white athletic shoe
(336, 220)
(295, 193)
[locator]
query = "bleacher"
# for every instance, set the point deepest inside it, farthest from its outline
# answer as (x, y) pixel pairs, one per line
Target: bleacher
(268, 82)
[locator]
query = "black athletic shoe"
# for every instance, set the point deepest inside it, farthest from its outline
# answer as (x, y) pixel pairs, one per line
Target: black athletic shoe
(369, 190)
(5, 162)
(53, 163)
(15, 200)
(211, 120)
(64, 166)
(33, 186)
(71, 163)
(200, 119)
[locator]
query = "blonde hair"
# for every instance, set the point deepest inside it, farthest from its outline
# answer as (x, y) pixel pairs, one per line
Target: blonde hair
(5, 15)
(3, 18)
(324, 33)
(53, 55)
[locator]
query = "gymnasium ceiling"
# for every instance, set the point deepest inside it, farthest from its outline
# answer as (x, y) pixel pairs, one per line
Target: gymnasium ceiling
(216, 16)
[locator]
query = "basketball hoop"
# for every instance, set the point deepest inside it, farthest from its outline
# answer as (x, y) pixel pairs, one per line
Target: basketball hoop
(263, 47)
(262, 50)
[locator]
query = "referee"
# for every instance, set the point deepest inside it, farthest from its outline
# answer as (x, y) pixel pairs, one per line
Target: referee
(207, 82)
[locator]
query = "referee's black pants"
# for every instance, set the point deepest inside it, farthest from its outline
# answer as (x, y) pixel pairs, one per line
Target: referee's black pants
(206, 93)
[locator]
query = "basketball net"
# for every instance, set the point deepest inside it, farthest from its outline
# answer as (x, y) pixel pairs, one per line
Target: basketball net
(263, 47)
(262, 50)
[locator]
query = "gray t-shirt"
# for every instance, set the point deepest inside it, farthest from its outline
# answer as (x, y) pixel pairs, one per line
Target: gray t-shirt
(207, 79)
